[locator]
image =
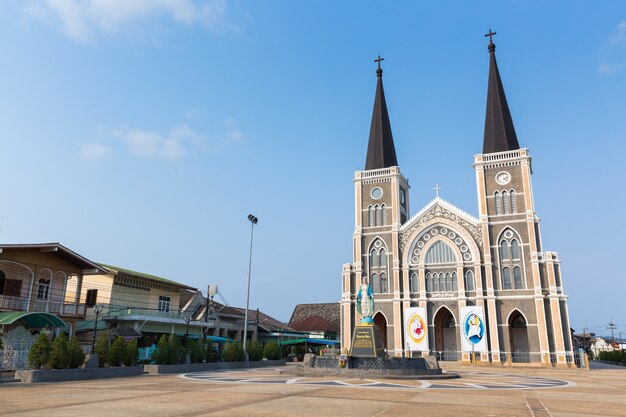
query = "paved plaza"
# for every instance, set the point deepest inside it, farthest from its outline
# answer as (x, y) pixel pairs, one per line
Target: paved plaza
(271, 392)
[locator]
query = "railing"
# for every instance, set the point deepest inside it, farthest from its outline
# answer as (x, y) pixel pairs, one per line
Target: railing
(499, 156)
(446, 355)
(126, 311)
(376, 173)
(55, 307)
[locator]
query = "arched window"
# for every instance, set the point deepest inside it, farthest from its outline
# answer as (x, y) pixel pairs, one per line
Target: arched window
(513, 202)
(506, 278)
(504, 250)
(469, 281)
(448, 282)
(455, 282)
(506, 202)
(435, 283)
(514, 249)
(373, 258)
(442, 282)
(383, 215)
(517, 278)
(496, 197)
(375, 283)
(414, 283)
(383, 283)
(383, 257)
(440, 253)
(429, 282)
(370, 215)
(43, 290)
(377, 209)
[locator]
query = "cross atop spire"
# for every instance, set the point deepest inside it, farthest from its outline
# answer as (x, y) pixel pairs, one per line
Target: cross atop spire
(490, 34)
(379, 71)
(437, 189)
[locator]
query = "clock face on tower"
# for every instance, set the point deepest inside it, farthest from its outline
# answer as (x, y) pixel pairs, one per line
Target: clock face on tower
(503, 178)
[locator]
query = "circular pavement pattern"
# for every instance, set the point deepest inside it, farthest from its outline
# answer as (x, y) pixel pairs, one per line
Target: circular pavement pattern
(469, 380)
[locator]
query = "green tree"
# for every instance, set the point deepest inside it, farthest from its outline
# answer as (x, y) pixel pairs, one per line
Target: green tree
(102, 349)
(233, 352)
(176, 351)
(58, 358)
(160, 354)
(75, 353)
(132, 353)
(255, 350)
(117, 352)
(39, 352)
(271, 351)
(197, 351)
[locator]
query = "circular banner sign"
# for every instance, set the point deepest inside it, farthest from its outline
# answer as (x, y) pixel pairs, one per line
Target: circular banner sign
(417, 328)
(474, 328)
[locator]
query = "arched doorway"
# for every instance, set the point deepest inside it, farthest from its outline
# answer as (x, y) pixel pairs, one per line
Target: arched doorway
(518, 337)
(381, 322)
(445, 335)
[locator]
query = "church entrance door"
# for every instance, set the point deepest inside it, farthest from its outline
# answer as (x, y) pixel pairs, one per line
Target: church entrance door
(381, 322)
(518, 337)
(445, 335)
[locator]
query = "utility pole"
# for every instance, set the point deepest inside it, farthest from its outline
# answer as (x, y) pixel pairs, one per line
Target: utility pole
(253, 220)
(612, 327)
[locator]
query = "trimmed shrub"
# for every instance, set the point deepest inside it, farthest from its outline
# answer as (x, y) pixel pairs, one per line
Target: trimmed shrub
(169, 351)
(117, 352)
(59, 355)
(233, 352)
(39, 353)
(75, 354)
(613, 356)
(197, 351)
(271, 351)
(132, 353)
(102, 350)
(255, 350)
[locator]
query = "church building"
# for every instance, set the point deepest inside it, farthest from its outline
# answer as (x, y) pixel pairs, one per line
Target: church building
(444, 260)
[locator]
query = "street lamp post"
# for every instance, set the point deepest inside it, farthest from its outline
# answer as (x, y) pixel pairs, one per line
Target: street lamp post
(253, 220)
(98, 309)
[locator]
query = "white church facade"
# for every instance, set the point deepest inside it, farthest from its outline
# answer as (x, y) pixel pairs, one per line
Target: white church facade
(443, 260)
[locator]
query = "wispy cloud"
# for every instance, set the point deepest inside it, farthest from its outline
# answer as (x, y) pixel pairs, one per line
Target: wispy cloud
(173, 145)
(82, 20)
(95, 150)
(614, 59)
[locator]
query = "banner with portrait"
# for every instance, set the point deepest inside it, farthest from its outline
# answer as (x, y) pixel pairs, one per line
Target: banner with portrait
(416, 329)
(473, 329)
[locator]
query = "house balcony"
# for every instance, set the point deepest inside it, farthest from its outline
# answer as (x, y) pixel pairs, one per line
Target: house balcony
(12, 303)
(125, 313)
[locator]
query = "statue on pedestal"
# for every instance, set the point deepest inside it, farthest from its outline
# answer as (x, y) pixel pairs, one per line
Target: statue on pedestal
(365, 302)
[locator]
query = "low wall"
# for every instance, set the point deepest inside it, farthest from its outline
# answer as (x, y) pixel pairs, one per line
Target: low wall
(56, 375)
(211, 366)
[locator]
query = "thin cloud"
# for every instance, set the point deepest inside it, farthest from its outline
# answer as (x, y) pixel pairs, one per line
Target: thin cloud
(174, 145)
(82, 20)
(95, 150)
(613, 52)
(619, 35)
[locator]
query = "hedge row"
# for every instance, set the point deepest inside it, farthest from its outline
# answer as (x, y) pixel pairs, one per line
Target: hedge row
(63, 353)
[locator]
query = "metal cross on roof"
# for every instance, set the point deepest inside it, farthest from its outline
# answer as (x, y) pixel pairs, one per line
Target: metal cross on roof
(378, 60)
(437, 188)
(490, 34)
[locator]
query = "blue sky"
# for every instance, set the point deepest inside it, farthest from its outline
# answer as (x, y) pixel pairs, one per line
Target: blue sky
(142, 133)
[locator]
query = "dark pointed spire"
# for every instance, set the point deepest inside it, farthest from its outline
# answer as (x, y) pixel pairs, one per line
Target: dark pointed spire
(381, 152)
(499, 131)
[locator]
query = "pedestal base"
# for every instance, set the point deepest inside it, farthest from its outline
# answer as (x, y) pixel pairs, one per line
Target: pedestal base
(367, 342)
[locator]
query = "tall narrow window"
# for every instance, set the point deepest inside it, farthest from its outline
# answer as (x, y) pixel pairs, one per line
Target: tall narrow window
(514, 249)
(429, 282)
(506, 202)
(370, 215)
(504, 250)
(469, 281)
(442, 282)
(455, 282)
(506, 278)
(3, 279)
(383, 215)
(513, 202)
(43, 290)
(377, 209)
(496, 197)
(517, 277)
(383, 257)
(448, 282)
(373, 258)
(375, 283)
(435, 283)
(383, 283)
(415, 283)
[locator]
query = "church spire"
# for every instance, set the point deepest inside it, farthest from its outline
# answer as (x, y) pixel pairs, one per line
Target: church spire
(499, 131)
(381, 152)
